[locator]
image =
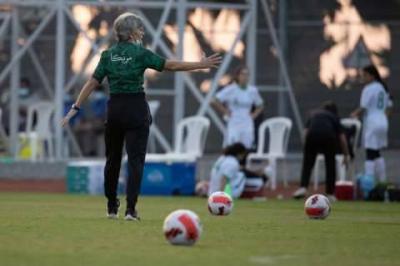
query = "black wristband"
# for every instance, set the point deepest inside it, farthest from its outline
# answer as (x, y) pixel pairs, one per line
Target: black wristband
(76, 108)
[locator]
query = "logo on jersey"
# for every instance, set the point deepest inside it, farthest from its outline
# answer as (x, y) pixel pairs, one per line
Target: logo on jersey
(124, 60)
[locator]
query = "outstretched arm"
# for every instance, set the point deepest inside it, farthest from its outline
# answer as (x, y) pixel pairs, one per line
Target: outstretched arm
(209, 62)
(87, 89)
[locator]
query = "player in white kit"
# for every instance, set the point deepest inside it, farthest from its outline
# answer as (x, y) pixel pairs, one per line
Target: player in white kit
(235, 102)
(374, 104)
(226, 170)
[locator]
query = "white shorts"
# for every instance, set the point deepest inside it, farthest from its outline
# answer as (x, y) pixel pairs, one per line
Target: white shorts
(375, 134)
(244, 135)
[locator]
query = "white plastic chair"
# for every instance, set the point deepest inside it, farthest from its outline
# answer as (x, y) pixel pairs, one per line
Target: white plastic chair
(191, 135)
(41, 132)
(279, 132)
(153, 106)
(190, 139)
(340, 168)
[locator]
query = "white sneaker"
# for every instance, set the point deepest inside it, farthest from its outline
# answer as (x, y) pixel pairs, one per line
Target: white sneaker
(331, 198)
(112, 209)
(300, 193)
(131, 215)
(112, 215)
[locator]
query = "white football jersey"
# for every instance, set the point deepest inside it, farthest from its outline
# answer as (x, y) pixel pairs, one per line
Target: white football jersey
(375, 100)
(227, 166)
(239, 101)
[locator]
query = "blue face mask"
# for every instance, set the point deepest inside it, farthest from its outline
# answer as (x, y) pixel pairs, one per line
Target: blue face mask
(23, 92)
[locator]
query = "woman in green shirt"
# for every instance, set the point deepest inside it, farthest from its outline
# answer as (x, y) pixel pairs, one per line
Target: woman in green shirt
(128, 115)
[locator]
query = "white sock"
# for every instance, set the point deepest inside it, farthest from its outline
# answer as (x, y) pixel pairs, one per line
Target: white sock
(370, 168)
(381, 169)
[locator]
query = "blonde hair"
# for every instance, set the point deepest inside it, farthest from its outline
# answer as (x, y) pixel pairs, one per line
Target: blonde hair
(125, 25)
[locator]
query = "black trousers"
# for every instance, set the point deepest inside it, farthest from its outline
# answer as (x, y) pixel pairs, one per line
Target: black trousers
(128, 119)
(313, 146)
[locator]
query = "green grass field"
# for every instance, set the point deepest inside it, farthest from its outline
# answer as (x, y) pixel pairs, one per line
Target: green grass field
(57, 230)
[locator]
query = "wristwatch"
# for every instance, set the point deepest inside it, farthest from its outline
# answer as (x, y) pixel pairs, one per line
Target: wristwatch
(75, 107)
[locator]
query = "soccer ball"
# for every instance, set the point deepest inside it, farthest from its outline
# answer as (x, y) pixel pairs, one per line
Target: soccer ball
(317, 207)
(182, 227)
(220, 203)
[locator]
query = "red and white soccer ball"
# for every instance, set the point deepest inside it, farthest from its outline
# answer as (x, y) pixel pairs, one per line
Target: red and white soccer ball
(182, 227)
(220, 203)
(317, 206)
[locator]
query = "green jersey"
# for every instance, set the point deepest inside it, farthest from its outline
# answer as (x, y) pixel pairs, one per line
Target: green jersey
(124, 65)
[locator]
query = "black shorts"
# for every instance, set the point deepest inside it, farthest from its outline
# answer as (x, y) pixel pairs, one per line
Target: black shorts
(372, 154)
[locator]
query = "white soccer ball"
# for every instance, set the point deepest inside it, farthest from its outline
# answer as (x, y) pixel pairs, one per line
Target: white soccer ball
(182, 227)
(317, 206)
(220, 203)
